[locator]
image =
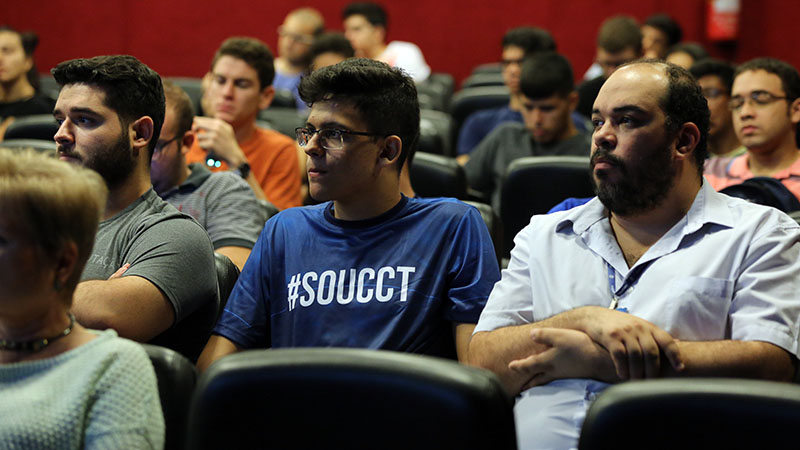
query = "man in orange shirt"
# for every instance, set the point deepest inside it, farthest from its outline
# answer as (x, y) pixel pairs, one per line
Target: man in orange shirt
(240, 86)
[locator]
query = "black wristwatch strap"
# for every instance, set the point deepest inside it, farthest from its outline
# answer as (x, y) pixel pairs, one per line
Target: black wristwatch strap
(244, 170)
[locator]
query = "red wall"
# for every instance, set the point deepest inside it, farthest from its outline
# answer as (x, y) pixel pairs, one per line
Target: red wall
(178, 37)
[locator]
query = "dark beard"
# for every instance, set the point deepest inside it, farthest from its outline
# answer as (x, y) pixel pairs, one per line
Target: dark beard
(115, 163)
(641, 188)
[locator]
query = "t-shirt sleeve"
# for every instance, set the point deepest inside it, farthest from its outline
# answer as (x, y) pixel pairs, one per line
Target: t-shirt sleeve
(765, 305)
(175, 254)
(234, 216)
(282, 182)
(474, 271)
(126, 411)
(246, 317)
(510, 302)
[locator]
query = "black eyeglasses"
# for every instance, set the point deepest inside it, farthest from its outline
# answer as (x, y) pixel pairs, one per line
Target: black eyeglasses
(759, 98)
(161, 144)
(329, 138)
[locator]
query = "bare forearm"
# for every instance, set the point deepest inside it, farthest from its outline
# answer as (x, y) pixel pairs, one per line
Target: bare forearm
(729, 358)
(493, 350)
(216, 348)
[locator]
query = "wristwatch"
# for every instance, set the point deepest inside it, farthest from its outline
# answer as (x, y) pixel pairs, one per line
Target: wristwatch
(244, 170)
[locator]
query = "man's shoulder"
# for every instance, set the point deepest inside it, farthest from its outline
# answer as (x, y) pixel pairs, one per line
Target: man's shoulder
(272, 138)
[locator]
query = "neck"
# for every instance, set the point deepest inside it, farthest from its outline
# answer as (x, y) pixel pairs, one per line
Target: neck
(27, 326)
(375, 51)
(405, 182)
(286, 66)
(768, 162)
(515, 103)
(362, 207)
(638, 232)
(127, 192)
(723, 142)
(16, 90)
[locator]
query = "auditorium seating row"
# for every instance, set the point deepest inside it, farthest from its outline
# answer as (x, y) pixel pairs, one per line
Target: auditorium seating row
(310, 398)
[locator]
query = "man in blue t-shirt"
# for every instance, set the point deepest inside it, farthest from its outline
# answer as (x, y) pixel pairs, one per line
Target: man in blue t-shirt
(369, 267)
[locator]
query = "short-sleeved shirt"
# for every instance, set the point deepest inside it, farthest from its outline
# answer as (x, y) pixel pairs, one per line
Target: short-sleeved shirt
(395, 282)
(724, 172)
(727, 270)
(273, 162)
(489, 161)
(222, 203)
(162, 245)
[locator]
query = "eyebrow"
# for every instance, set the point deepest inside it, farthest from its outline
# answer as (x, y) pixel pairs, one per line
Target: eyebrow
(622, 109)
(78, 110)
(329, 124)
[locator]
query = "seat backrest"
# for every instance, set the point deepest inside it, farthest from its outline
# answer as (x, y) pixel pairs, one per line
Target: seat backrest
(494, 225)
(283, 99)
(533, 185)
(434, 132)
(38, 126)
(227, 274)
(283, 120)
(40, 145)
(483, 79)
(312, 398)
(488, 68)
(467, 101)
(194, 89)
(437, 176)
(693, 413)
(436, 92)
(176, 381)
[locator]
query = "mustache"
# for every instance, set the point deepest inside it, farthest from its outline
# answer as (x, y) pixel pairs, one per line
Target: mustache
(607, 157)
(63, 151)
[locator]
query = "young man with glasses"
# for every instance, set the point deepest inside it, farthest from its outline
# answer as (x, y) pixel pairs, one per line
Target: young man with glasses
(221, 202)
(765, 103)
(715, 78)
(369, 267)
(295, 38)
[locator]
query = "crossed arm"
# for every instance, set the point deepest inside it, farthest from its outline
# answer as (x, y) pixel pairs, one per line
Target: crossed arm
(594, 342)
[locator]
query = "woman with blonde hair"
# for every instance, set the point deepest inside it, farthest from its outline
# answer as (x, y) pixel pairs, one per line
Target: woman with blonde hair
(61, 385)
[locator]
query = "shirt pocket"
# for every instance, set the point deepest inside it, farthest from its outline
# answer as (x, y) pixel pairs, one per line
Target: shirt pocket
(697, 308)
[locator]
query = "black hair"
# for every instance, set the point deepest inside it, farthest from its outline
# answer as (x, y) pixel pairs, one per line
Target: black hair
(684, 102)
(666, 25)
(716, 67)
(618, 33)
(545, 74)
(530, 39)
(30, 41)
(332, 42)
(373, 12)
(252, 51)
(384, 96)
(790, 80)
(132, 89)
(693, 49)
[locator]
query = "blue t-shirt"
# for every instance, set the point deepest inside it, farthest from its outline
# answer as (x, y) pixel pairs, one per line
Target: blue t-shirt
(394, 282)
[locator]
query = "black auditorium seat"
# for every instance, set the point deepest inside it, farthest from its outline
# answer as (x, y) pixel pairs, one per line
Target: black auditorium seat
(40, 145)
(314, 398)
(176, 380)
(534, 184)
(434, 130)
(38, 126)
(700, 413)
(283, 120)
(467, 101)
(437, 176)
(483, 79)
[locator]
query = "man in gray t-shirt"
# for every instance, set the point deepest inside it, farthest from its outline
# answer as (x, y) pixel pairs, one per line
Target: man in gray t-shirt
(547, 101)
(151, 266)
(222, 202)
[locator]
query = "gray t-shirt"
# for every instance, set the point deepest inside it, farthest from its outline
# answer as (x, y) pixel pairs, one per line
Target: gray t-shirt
(488, 162)
(223, 204)
(162, 245)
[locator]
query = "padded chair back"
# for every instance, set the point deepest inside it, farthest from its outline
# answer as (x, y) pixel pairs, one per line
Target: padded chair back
(488, 68)
(283, 99)
(314, 398)
(494, 225)
(48, 86)
(437, 176)
(283, 120)
(434, 132)
(483, 79)
(467, 101)
(176, 381)
(38, 126)
(534, 184)
(436, 92)
(227, 274)
(39, 145)
(194, 89)
(693, 413)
